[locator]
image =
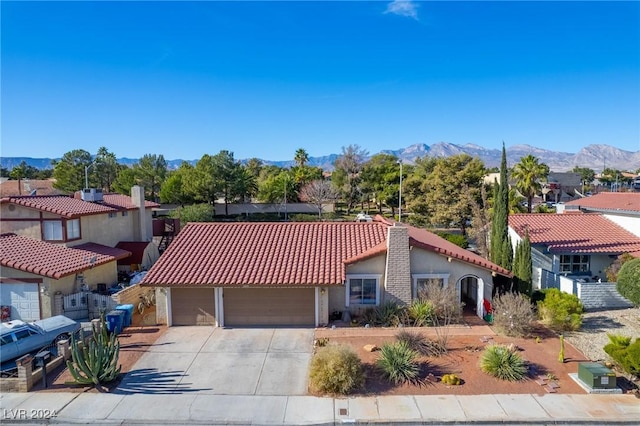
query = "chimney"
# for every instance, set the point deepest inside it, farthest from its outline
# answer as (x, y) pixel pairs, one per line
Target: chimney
(137, 198)
(398, 268)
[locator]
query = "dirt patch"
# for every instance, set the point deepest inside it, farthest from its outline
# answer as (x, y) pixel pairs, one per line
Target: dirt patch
(465, 349)
(134, 342)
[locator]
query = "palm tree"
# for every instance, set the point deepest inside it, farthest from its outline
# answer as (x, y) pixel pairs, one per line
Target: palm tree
(301, 157)
(527, 174)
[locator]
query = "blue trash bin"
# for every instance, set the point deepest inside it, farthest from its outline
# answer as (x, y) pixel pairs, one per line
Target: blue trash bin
(114, 321)
(128, 314)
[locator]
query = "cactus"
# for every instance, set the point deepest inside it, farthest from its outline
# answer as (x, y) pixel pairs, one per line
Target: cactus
(97, 362)
(561, 354)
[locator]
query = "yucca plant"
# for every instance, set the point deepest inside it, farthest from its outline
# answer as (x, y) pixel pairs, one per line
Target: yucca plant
(503, 362)
(421, 312)
(95, 363)
(397, 363)
(336, 369)
(388, 315)
(419, 343)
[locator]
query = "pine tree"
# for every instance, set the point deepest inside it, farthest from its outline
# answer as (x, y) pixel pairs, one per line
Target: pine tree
(501, 252)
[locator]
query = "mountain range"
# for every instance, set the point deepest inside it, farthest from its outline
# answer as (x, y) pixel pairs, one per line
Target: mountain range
(595, 157)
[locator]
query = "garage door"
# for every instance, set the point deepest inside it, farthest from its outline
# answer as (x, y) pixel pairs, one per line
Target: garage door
(23, 299)
(271, 306)
(192, 306)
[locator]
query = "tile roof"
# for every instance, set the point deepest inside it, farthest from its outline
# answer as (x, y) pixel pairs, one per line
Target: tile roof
(429, 241)
(51, 260)
(70, 207)
(609, 201)
(136, 249)
(9, 188)
(575, 233)
(124, 201)
(312, 253)
(263, 253)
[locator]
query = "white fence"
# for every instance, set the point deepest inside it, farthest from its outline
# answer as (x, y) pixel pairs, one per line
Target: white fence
(85, 305)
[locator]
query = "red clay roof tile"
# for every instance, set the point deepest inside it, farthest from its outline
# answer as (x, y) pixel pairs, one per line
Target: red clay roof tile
(52, 260)
(10, 188)
(624, 201)
(575, 233)
(282, 253)
(70, 207)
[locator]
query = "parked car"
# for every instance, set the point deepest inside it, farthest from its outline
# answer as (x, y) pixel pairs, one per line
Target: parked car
(18, 338)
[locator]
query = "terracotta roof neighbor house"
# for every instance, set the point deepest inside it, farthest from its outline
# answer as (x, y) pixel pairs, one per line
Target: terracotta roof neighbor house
(575, 233)
(608, 201)
(74, 207)
(52, 260)
(12, 188)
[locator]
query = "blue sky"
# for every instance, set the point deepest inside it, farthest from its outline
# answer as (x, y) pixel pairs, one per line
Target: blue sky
(262, 79)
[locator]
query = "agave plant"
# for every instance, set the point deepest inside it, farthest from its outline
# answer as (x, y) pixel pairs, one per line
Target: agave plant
(95, 363)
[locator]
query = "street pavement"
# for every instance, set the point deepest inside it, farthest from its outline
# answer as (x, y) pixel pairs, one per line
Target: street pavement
(197, 408)
(203, 375)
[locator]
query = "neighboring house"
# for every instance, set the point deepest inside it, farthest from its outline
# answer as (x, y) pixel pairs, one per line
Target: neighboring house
(61, 224)
(570, 250)
(622, 208)
(236, 274)
(13, 188)
(34, 271)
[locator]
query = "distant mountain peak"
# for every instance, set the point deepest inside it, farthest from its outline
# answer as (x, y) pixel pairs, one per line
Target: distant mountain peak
(595, 156)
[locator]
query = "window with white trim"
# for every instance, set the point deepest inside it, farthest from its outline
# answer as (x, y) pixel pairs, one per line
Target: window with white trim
(422, 281)
(52, 230)
(574, 263)
(363, 290)
(73, 229)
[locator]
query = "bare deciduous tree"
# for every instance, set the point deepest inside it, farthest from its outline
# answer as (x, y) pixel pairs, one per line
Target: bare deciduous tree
(318, 192)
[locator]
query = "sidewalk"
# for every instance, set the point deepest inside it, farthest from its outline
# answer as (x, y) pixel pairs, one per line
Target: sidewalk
(192, 408)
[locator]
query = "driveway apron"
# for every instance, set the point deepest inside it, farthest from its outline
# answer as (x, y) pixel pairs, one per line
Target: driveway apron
(218, 361)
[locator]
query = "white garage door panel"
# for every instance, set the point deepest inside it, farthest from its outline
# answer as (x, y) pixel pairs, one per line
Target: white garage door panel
(24, 300)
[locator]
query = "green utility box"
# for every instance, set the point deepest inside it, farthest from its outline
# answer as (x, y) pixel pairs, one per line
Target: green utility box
(597, 376)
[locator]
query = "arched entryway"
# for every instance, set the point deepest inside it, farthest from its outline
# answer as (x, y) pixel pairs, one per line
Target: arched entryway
(472, 293)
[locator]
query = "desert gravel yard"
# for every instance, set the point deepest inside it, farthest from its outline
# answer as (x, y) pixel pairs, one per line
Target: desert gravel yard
(592, 336)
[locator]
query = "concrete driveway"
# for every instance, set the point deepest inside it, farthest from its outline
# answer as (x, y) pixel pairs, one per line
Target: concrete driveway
(218, 361)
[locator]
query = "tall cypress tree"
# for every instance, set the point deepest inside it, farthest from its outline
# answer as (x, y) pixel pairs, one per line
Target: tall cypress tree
(522, 269)
(501, 252)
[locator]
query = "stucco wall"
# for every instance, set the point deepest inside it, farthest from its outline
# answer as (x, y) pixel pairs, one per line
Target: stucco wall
(99, 228)
(29, 229)
(424, 262)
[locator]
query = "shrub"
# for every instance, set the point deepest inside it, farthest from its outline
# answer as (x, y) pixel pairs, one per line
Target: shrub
(336, 369)
(503, 363)
(444, 300)
(513, 314)
(387, 315)
(419, 343)
(421, 313)
(612, 270)
(560, 311)
(629, 281)
(624, 353)
(457, 239)
(397, 363)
